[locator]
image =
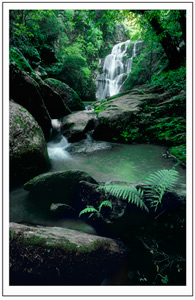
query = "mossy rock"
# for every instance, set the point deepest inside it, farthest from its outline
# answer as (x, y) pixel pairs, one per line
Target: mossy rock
(53, 255)
(18, 58)
(28, 150)
(68, 95)
(57, 187)
(26, 91)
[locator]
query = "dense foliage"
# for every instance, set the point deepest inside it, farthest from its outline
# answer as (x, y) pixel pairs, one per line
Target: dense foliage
(67, 44)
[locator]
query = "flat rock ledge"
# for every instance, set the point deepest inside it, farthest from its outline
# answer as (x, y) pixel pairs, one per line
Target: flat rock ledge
(59, 256)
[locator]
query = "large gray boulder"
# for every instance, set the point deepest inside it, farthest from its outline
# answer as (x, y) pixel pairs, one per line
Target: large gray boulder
(115, 114)
(57, 187)
(59, 256)
(28, 150)
(75, 126)
(68, 95)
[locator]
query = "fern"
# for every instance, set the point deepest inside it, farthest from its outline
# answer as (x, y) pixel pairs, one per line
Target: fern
(105, 203)
(91, 210)
(126, 192)
(160, 182)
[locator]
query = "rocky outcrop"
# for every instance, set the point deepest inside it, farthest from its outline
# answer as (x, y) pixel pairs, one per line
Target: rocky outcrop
(30, 91)
(57, 256)
(25, 91)
(53, 101)
(115, 114)
(28, 150)
(57, 187)
(69, 97)
(75, 126)
(123, 214)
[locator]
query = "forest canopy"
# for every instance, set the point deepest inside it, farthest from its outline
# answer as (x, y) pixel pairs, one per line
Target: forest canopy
(67, 44)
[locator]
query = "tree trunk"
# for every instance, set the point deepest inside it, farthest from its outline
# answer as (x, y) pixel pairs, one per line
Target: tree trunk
(175, 53)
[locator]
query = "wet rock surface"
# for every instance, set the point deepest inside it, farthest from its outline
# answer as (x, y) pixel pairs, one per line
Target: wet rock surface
(75, 126)
(57, 187)
(55, 256)
(28, 150)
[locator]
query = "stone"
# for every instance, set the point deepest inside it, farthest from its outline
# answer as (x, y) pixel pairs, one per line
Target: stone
(25, 91)
(28, 149)
(30, 91)
(59, 210)
(69, 97)
(114, 113)
(53, 101)
(60, 256)
(75, 126)
(57, 187)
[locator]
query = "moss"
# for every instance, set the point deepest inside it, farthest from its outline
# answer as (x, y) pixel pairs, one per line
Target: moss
(19, 121)
(94, 246)
(23, 110)
(64, 244)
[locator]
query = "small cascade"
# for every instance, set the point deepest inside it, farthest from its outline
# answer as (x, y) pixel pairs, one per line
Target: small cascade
(57, 147)
(115, 69)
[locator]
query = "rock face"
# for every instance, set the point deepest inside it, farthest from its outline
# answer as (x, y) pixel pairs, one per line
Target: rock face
(115, 114)
(25, 91)
(75, 126)
(28, 151)
(30, 91)
(59, 256)
(125, 215)
(57, 187)
(68, 95)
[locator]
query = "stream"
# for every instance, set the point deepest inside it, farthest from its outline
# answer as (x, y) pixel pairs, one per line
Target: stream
(104, 161)
(111, 161)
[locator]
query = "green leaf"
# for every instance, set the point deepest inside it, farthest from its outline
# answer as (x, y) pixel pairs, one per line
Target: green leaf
(89, 209)
(105, 203)
(129, 193)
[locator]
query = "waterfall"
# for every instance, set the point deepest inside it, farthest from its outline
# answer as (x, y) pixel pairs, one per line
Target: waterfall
(115, 69)
(57, 147)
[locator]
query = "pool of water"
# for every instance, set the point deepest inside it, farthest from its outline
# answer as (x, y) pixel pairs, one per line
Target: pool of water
(105, 162)
(113, 162)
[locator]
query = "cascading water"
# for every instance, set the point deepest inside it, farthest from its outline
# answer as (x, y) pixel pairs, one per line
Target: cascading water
(57, 147)
(115, 68)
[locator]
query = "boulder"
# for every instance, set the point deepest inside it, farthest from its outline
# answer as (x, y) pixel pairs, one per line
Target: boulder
(28, 150)
(124, 215)
(53, 101)
(68, 95)
(30, 91)
(57, 187)
(114, 114)
(59, 256)
(75, 126)
(25, 91)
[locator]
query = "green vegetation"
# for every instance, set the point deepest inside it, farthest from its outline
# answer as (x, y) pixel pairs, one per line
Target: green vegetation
(129, 193)
(96, 212)
(64, 44)
(158, 184)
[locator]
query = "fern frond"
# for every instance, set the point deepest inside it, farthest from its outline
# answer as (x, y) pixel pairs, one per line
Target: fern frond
(163, 178)
(105, 203)
(129, 193)
(89, 209)
(160, 182)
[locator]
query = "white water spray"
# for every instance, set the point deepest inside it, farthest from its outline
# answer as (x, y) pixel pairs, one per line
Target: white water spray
(116, 68)
(57, 147)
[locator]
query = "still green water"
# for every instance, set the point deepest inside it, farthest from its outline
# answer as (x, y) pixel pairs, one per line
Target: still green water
(114, 162)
